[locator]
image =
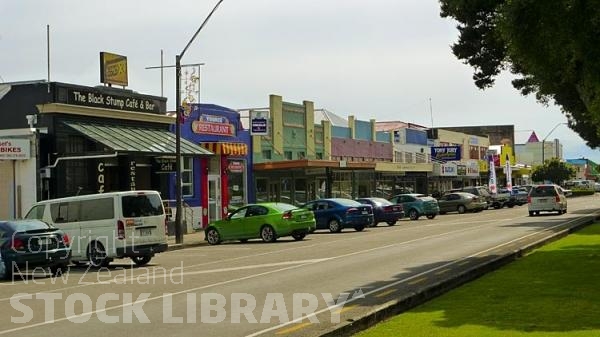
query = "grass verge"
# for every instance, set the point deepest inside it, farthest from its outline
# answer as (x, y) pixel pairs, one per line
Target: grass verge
(552, 292)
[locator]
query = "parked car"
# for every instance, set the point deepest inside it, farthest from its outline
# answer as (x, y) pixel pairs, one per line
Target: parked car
(383, 210)
(516, 197)
(546, 198)
(461, 202)
(566, 192)
(496, 201)
(267, 221)
(29, 244)
(416, 205)
(336, 214)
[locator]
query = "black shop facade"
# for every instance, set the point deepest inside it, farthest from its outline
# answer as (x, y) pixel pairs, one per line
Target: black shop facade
(99, 139)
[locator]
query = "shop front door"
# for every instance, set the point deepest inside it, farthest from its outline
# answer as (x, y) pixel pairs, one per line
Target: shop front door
(214, 198)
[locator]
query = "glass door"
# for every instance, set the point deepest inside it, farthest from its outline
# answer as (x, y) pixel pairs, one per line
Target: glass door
(214, 198)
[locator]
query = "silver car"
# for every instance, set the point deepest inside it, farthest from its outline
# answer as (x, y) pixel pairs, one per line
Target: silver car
(546, 198)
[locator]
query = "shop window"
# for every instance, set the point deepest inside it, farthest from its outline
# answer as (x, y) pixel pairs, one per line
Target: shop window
(262, 192)
(236, 180)
(319, 155)
(187, 177)
(301, 155)
(266, 154)
(287, 155)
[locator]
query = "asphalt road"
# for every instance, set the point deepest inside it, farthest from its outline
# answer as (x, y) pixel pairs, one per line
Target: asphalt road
(257, 289)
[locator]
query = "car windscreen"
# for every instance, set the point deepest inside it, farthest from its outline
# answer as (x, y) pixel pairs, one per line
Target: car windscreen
(27, 225)
(139, 205)
(542, 191)
(348, 202)
(283, 207)
(381, 202)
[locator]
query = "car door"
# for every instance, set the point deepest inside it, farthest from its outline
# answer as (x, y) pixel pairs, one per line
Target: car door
(233, 226)
(256, 216)
(444, 202)
(322, 211)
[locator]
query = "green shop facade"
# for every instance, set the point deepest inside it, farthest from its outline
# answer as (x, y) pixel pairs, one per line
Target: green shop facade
(303, 159)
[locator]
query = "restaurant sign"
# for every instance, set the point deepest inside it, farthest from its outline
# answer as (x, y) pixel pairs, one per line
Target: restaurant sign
(445, 153)
(213, 125)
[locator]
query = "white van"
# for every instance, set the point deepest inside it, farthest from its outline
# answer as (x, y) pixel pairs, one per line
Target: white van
(106, 226)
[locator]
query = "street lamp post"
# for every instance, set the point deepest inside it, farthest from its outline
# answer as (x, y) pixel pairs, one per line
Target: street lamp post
(178, 223)
(544, 140)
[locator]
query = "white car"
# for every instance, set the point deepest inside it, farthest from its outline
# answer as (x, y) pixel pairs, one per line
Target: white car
(546, 198)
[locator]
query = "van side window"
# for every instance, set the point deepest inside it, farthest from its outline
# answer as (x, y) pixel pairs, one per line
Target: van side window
(97, 209)
(37, 212)
(141, 205)
(65, 212)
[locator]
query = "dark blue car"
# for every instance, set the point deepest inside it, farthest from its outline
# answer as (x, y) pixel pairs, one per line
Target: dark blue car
(383, 210)
(336, 214)
(29, 244)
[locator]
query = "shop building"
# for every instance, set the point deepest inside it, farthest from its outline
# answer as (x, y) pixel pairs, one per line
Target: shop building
(304, 156)
(220, 182)
(94, 139)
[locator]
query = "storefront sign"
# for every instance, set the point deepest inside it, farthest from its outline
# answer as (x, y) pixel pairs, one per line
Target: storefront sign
(259, 123)
(461, 170)
(445, 153)
(213, 125)
(100, 176)
(113, 69)
(473, 169)
(448, 169)
(236, 166)
(132, 185)
(109, 101)
(14, 149)
(163, 165)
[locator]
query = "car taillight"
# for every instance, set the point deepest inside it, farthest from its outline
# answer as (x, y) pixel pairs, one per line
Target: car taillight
(287, 215)
(351, 210)
(17, 244)
(557, 198)
(166, 227)
(528, 199)
(66, 240)
(120, 230)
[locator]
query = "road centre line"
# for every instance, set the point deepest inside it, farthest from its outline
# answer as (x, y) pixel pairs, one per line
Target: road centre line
(443, 271)
(419, 280)
(385, 293)
(393, 284)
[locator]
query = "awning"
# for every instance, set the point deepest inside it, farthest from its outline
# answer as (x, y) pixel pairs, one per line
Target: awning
(136, 139)
(232, 149)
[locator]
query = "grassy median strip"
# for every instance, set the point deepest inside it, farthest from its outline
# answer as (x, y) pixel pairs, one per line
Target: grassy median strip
(552, 292)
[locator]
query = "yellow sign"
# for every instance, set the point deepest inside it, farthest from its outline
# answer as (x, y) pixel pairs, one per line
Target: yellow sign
(113, 69)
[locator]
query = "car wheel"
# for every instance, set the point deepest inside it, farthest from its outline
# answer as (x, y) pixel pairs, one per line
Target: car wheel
(334, 226)
(59, 269)
(413, 214)
(267, 234)
(530, 213)
(359, 228)
(141, 260)
(299, 236)
(391, 223)
(213, 237)
(97, 255)
(431, 216)
(461, 209)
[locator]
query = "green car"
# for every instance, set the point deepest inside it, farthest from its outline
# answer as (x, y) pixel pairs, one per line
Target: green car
(267, 221)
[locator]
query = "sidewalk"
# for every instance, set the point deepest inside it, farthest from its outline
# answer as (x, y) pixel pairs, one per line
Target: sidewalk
(193, 239)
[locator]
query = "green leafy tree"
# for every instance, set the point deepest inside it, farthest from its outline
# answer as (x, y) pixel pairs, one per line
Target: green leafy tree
(553, 170)
(552, 46)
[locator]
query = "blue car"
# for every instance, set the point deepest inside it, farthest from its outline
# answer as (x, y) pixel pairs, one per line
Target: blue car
(28, 244)
(336, 214)
(383, 210)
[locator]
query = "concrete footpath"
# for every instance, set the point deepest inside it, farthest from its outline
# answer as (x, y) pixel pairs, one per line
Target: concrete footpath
(193, 239)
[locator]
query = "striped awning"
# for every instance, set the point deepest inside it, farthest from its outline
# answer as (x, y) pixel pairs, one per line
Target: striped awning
(231, 149)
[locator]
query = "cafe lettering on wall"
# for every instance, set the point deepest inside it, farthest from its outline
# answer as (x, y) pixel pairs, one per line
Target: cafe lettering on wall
(213, 125)
(163, 164)
(97, 99)
(132, 185)
(100, 177)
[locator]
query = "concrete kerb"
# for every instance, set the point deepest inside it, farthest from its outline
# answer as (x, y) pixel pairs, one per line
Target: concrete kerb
(411, 300)
(195, 239)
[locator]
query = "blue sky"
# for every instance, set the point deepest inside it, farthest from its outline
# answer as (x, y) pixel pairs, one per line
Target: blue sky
(382, 59)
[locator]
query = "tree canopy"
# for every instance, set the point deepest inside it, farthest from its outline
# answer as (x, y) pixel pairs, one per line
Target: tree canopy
(553, 170)
(552, 46)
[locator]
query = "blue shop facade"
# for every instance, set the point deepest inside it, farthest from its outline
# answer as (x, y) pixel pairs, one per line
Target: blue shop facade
(212, 185)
